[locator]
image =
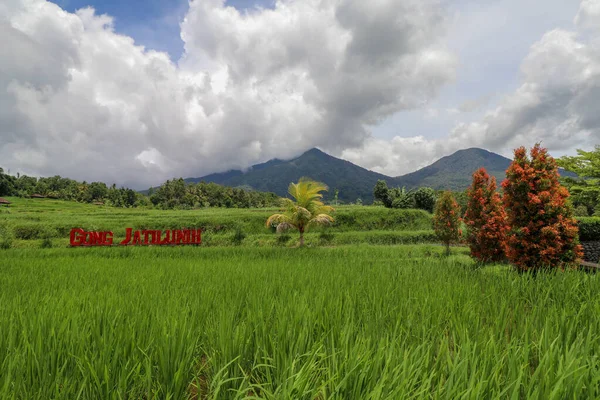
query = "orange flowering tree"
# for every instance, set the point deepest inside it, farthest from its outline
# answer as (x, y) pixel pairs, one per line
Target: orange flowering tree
(485, 219)
(543, 233)
(446, 220)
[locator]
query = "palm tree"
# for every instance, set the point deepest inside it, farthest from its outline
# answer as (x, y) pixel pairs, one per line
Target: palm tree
(308, 209)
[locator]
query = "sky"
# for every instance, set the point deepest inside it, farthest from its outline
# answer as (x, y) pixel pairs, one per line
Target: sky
(135, 92)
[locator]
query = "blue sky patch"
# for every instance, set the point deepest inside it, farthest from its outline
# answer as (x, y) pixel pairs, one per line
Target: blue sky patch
(151, 23)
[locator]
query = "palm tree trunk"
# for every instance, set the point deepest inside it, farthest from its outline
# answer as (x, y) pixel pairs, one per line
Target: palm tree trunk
(447, 249)
(301, 238)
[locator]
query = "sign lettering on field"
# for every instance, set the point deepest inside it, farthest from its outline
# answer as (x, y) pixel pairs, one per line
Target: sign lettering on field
(146, 237)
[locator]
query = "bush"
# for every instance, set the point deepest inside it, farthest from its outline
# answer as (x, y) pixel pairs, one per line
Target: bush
(30, 231)
(46, 243)
(446, 220)
(381, 193)
(326, 237)
(485, 219)
(581, 211)
(404, 201)
(425, 199)
(238, 237)
(6, 237)
(543, 233)
(589, 228)
(283, 238)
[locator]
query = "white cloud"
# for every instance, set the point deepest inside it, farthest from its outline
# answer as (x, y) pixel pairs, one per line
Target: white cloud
(588, 16)
(80, 100)
(556, 103)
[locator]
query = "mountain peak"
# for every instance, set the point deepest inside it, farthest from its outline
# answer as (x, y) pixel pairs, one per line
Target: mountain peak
(454, 171)
(315, 152)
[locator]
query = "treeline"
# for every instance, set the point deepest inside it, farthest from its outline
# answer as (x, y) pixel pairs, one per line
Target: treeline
(57, 187)
(173, 194)
(423, 198)
(177, 193)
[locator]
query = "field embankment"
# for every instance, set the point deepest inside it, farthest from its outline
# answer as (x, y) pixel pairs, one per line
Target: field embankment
(33, 220)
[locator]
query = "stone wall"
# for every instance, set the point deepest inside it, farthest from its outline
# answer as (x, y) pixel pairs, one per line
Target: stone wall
(591, 251)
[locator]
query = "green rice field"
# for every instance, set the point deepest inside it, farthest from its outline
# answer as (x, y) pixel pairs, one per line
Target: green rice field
(370, 309)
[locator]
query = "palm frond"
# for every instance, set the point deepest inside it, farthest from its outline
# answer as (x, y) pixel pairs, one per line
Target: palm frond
(284, 226)
(287, 205)
(306, 192)
(324, 210)
(276, 219)
(301, 213)
(321, 219)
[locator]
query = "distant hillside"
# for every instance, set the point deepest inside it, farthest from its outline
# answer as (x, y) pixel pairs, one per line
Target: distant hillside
(451, 172)
(454, 171)
(352, 181)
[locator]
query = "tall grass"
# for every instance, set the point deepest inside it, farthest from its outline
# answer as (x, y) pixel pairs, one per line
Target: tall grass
(363, 322)
(40, 218)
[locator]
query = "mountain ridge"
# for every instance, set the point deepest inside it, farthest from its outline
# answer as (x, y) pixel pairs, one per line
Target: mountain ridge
(352, 181)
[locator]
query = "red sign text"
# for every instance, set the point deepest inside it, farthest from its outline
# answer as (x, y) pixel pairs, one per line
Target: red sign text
(80, 237)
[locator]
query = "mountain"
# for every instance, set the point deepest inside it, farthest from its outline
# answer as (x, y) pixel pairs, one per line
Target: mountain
(354, 182)
(454, 171)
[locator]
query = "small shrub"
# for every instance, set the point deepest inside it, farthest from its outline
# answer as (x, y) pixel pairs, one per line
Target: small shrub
(589, 228)
(404, 201)
(238, 237)
(63, 230)
(326, 237)
(46, 243)
(283, 238)
(581, 211)
(425, 199)
(30, 231)
(6, 238)
(446, 220)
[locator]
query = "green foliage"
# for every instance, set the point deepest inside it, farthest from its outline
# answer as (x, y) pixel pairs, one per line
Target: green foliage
(585, 188)
(589, 228)
(381, 193)
(425, 199)
(238, 237)
(7, 184)
(326, 237)
(586, 164)
(46, 243)
(403, 199)
(581, 211)
(31, 231)
(173, 194)
(177, 194)
(6, 236)
(283, 238)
